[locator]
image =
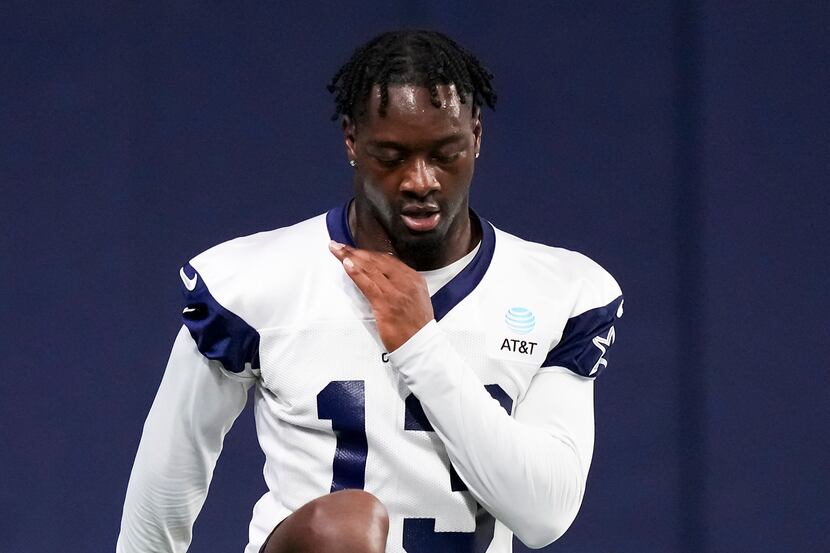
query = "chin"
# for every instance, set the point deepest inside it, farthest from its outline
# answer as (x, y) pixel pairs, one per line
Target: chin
(418, 249)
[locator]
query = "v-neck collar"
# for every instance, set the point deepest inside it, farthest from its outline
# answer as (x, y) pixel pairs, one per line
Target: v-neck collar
(461, 285)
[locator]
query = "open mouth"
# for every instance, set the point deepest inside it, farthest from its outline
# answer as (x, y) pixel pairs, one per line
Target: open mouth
(421, 220)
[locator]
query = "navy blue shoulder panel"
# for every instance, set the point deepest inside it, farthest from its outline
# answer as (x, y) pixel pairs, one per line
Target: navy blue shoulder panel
(585, 341)
(219, 334)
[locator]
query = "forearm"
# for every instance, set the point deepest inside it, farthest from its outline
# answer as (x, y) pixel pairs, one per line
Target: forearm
(194, 408)
(528, 471)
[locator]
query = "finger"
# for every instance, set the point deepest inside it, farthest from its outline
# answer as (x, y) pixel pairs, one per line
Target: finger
(385, 261)
(391, 267)
(365, 282)
(339, 250)
(342, 251)
(360, 266)
(374, 263)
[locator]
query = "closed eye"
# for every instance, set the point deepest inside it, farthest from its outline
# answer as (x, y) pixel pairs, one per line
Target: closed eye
(390, 162)
(446, 158)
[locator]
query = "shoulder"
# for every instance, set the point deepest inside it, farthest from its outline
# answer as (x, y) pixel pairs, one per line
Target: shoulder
(588, 300)
(234, 289)
(586, 281)
(248, 274)
(263, 251)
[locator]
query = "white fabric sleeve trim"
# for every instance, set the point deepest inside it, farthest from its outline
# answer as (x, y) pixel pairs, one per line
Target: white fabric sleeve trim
(194, 408)
(528, 471)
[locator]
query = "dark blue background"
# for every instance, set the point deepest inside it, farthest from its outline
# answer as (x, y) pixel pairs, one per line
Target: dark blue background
(683, 145)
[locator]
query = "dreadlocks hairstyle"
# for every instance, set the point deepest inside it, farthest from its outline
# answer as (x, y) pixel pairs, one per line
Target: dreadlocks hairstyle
(417, 57)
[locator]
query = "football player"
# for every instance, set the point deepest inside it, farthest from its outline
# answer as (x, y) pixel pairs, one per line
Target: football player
(423, 380)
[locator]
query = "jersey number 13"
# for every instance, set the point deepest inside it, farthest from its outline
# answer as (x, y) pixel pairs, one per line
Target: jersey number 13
(343, 402)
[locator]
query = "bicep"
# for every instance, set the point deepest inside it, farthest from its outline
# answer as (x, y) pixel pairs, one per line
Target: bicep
(197, 396)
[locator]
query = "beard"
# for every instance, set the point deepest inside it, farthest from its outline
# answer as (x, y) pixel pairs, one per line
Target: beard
(422, 251)
(418, 250)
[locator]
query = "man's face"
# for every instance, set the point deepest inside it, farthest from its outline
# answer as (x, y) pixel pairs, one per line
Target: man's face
(414, 168)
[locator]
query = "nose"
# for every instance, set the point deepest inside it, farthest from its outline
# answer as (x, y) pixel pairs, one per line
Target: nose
(420, 179)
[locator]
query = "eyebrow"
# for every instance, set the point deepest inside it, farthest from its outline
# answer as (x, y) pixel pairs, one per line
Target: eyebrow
(391, 144)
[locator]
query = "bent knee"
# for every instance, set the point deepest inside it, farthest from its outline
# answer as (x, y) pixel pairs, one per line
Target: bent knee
(354, 506)
(347, 520)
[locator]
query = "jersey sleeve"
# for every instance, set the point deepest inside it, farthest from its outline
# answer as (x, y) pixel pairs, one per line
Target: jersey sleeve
(529, 470)
(589, 332)
(204, 388)
(220, 334)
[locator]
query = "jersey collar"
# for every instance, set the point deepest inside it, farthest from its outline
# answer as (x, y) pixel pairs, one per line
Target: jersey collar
(453, 292)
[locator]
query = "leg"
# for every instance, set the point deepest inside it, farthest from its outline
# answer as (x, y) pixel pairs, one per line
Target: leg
(348, 521)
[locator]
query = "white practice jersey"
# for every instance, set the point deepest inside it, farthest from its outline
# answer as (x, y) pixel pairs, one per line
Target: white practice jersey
(478, 428)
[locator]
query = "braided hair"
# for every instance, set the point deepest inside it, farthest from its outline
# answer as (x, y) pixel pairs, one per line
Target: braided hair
(416, 57)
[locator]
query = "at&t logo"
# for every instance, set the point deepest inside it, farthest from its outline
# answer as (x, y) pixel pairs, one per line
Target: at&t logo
(521, 321)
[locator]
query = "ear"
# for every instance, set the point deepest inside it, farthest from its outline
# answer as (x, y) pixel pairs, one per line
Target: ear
(349, 130)
(477, 129)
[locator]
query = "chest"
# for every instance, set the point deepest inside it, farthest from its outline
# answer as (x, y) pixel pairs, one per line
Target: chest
(502, 333)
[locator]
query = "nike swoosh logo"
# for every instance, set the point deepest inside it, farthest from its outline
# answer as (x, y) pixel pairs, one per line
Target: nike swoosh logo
(189, 283)
(187, 310)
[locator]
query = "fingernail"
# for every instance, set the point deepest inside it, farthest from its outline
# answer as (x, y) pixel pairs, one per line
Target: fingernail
(348, 263)
(334, 246)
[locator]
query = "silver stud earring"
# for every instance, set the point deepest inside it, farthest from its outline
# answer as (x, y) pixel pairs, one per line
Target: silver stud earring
(477, 154)
(353, 163)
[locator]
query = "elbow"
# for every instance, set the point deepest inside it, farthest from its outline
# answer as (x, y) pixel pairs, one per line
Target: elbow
(543, 526)
(554, 509)
(543, 533)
